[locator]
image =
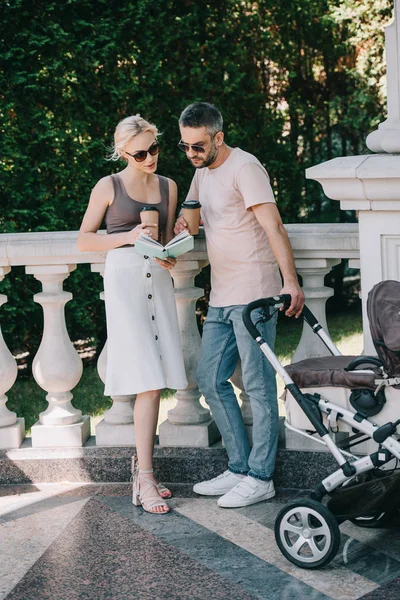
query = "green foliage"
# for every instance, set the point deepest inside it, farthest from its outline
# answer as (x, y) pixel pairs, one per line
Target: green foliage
(298, 82)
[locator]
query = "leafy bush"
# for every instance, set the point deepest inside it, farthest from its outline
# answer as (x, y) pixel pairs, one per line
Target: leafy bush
(285, 74)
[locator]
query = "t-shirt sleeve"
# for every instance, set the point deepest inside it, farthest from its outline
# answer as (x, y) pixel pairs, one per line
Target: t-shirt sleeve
(253, 183)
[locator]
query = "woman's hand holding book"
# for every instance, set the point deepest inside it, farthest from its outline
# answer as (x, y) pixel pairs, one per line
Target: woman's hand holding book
(167, 263)
(133, 234)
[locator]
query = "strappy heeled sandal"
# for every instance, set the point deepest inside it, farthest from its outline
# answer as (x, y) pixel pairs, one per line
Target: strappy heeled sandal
(142, 493)
(164, 492)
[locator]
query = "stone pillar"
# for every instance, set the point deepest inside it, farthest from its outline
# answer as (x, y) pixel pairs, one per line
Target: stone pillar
(387, 137)
(116, 428)
(313, 271)
(354, 263)
(12, 429)
(370, 184)
(57, 367)
(188, 423)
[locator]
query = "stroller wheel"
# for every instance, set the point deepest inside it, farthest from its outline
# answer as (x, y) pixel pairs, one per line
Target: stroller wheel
(307, 533)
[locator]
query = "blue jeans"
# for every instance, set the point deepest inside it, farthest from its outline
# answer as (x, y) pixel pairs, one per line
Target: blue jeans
(225, 340)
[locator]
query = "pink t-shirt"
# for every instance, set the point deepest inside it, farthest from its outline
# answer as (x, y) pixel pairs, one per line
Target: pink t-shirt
(243, 266)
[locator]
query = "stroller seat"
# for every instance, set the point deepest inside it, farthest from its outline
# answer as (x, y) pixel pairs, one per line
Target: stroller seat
(328, 377)
(331, 370)
(357, 388)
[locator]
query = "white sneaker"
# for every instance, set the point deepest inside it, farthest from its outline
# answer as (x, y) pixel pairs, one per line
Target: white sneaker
(248, 491)
(218, 485)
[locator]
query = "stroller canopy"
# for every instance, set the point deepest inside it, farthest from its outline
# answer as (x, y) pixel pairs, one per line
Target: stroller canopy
(383, 308)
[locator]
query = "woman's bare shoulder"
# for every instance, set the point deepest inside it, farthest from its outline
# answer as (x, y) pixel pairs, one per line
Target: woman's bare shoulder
(104, 189)
(105, 184)
(172, 184)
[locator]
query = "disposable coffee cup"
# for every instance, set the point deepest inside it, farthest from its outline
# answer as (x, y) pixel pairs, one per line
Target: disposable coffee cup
(191, 214)
(149, 215)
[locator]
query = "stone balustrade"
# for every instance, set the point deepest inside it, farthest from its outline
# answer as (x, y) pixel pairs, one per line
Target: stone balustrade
(57, 368)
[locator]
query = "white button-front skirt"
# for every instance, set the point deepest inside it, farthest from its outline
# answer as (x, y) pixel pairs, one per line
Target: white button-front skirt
(144, 349)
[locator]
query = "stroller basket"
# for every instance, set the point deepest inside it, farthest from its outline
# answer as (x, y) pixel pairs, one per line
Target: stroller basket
(369, 499)
(357, 395)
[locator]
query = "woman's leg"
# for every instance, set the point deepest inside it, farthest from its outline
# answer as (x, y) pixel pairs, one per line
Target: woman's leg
(145, 418)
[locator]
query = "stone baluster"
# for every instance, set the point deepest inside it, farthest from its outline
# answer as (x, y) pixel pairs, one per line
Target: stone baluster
(188, 423)
(57, 367)
(12, 429)
(116, 428)
(355, 263)
(313, 271)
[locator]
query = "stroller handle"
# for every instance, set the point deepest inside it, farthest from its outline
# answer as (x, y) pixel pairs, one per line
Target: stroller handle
(284, 300)
(277, 301)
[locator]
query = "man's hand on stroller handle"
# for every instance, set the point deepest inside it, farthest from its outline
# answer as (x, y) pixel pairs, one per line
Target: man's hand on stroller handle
(297, 299)
(283, 301)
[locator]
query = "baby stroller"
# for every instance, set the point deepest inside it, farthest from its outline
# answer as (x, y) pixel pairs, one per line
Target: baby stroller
(357, 395)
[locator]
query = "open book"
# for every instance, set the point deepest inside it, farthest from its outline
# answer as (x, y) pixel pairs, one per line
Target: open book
(181, 243)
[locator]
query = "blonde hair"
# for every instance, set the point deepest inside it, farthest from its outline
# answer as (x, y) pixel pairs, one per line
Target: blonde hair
(127, 129)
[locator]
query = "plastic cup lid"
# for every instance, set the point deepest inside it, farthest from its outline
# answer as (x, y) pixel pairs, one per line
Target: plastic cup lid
(149, 208)
(191, 204)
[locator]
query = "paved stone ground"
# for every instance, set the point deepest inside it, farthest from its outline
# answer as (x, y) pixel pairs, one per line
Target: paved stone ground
(77, 541)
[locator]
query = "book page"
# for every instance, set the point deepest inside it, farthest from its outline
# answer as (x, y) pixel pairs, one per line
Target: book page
(180, 244)
(148, 240)
(181, 236)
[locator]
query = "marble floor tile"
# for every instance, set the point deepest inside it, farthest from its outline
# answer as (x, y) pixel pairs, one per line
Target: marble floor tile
(265, 512)
(13, 498)
(87, 542)
(366, 561)
(390, 591)
(372, 553)
(44, 497)
(102, 555)
(338, 582)
(23, 540)
(385, 540)
(8, 490)
(260, 578)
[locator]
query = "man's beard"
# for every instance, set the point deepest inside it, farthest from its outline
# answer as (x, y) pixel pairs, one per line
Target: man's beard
(210, 158)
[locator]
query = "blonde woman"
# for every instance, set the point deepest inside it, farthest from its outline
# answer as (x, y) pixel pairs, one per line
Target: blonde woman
(144, 353)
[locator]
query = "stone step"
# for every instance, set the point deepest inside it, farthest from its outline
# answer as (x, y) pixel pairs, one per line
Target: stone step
(298, 469)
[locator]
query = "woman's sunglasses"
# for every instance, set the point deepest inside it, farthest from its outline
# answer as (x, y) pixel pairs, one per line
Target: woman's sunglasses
(141, 155)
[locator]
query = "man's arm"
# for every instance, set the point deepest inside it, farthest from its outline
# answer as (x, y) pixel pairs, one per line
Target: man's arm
(193, 194)
(270, 220)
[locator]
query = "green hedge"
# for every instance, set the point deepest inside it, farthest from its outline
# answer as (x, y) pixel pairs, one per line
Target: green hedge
(298, 83)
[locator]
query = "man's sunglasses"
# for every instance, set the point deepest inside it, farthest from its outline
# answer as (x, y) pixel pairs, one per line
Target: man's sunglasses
(141, 155)
(195, 147)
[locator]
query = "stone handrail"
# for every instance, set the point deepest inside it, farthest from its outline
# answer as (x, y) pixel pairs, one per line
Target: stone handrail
(57, 368)
(328, 240)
